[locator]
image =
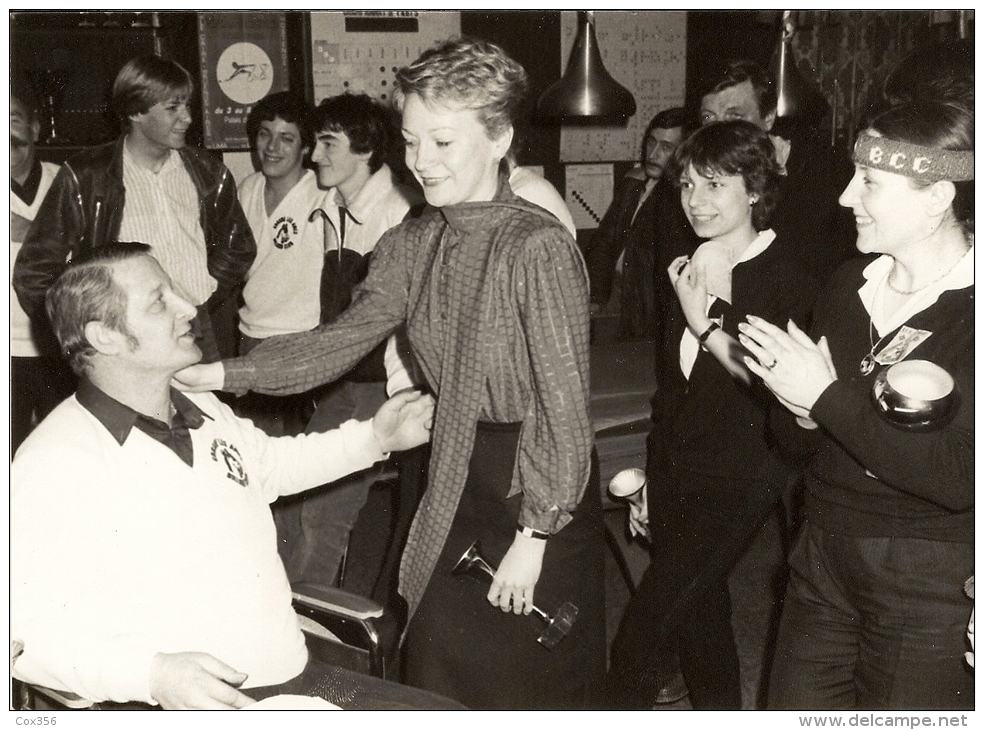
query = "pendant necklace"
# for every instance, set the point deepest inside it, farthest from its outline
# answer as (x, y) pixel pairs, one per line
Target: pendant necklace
(868, 361)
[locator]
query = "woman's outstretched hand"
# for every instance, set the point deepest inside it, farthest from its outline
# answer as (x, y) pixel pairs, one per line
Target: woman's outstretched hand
(514, 581)
(200, 378)
(796, 369)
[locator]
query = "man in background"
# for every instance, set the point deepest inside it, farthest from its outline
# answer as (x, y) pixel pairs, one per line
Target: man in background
(624, 252)
(39, 377)
(148, 186)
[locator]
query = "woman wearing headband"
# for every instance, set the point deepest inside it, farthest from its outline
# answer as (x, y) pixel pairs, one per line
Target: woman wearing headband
(875, 614)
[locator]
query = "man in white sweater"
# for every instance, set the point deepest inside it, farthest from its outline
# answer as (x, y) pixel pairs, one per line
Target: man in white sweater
(143, 552)
(282, 292)
(39, 378)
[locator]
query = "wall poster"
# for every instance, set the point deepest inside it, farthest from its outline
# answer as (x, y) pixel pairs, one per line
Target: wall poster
(244, 58)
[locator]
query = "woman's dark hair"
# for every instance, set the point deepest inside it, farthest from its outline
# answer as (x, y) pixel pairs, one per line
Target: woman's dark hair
(735, 147)
(941, 125)
(942, 71)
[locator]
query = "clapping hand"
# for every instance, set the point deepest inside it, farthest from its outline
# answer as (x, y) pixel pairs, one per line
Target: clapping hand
(796, 369)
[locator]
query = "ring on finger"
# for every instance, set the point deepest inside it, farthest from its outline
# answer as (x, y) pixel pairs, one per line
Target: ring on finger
(775, 362)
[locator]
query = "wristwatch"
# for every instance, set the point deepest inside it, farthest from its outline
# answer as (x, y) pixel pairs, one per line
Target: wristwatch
(530, 532)
(707, 333)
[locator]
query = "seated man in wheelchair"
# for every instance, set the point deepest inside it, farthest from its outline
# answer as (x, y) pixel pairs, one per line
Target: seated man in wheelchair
(143, 552)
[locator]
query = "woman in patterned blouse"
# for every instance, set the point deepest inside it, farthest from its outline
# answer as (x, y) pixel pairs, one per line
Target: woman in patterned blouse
(493, 291)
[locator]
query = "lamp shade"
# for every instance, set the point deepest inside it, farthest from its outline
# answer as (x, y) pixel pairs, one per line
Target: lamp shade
(587, 90)
(796, 97)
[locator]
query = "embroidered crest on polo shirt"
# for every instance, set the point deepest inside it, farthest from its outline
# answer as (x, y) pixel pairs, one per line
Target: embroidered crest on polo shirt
(228, 455)
(284, 232)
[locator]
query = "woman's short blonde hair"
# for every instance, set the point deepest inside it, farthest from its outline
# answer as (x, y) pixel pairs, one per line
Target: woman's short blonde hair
(468, 72)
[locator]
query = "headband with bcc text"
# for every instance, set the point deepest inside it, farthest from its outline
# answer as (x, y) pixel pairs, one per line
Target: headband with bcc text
(922, 163)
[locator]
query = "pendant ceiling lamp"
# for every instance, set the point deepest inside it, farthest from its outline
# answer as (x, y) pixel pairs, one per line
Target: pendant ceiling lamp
(796, 98)
(586, 91)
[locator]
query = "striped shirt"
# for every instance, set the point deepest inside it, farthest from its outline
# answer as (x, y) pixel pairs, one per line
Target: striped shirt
(162, 210)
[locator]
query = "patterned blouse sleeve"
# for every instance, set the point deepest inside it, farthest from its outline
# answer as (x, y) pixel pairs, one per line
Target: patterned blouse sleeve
(297, 362)
(551, 290)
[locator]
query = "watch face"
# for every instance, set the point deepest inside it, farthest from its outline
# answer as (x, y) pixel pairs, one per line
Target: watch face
(244, 73)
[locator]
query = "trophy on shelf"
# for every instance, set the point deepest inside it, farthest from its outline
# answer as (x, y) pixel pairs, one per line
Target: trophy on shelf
(50, 86)
(557, 626)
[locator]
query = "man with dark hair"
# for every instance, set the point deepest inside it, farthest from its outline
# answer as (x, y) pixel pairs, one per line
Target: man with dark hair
(39, 377)
(353, 137)
(283, 284)
(282, 292)
(624, 252)
(738, 89)
(148, 186)
(820, 233)
(157, 504)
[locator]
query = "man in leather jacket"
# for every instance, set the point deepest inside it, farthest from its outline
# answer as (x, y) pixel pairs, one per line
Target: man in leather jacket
(88, 206)
(624, 253)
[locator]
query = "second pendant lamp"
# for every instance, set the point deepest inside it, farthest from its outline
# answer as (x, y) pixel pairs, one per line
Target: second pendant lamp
(587, 91)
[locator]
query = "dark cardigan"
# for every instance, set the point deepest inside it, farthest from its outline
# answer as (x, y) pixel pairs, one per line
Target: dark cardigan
(713, 424)
(924, 483)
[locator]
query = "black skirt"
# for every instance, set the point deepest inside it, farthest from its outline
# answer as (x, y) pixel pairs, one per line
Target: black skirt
(461, 646)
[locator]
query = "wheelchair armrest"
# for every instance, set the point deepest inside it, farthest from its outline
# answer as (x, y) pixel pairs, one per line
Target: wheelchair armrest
(48, 698)
(336, 601)
(350, 619)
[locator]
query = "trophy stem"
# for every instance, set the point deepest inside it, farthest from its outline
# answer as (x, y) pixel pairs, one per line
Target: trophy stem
(558, 625)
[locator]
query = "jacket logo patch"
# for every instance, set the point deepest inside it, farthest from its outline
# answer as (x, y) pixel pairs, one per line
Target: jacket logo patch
(284, 232)
(232, 461)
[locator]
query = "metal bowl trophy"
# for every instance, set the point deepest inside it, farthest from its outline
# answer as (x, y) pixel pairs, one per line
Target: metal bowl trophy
(558, 626)
(916, 395)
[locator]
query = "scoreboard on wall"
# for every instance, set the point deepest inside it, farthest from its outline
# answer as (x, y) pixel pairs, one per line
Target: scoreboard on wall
(360, 51)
